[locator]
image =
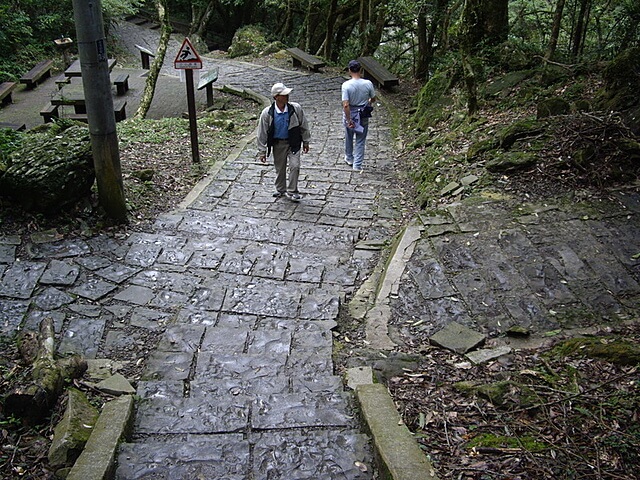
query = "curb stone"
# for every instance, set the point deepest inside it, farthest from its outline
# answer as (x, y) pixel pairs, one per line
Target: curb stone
(97, 460)
(398, 456)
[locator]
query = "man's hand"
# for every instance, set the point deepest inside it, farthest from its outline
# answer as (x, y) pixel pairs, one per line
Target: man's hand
(305, 148)
(262, 158)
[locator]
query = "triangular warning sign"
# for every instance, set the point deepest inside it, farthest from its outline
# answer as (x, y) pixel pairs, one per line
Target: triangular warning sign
(187, 56)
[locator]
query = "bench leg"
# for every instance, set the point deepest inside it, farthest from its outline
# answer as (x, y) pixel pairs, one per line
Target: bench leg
(144, 57)
(209, 89)
(122, 87)
(296, 62)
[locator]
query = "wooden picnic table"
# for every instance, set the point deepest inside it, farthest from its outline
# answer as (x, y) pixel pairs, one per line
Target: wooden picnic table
(75, 71)
(70, 96)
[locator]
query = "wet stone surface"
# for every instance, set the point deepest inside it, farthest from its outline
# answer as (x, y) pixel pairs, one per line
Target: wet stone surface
(229, 304)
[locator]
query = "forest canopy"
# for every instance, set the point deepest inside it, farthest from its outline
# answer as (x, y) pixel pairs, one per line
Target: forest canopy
(411, 37)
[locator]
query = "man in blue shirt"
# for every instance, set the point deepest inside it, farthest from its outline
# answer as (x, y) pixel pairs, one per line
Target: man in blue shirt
(357, 93)
(283, 127)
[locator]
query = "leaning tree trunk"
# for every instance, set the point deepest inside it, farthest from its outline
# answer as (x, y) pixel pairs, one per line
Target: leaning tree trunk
(199, 20)
(33, 402)
(555, 30)
(154, 70)
(422, 64)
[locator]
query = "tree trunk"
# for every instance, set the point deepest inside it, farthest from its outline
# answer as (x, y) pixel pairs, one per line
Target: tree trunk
(34, 401)
(496, 21)
(555, 30)
(363, 21)
(331, 21)
(578, 36)
(427, 37)
(154, 70)
(286, 26)
(471, 84)
(199, 19)
(470, 33)
(486, 22)
(376, 20)
(422, 64)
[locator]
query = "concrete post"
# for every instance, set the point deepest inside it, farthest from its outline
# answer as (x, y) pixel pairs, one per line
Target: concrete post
(99, 102)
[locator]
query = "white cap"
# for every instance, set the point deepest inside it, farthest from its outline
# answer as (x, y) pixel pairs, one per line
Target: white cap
(280, 89)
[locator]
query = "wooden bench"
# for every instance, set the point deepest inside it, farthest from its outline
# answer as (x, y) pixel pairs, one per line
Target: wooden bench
(39, 72)
(62, 80)
(6, 88)
(49, 112)
(119, 109)
(78, 117)
(13, 126)
(375, 72)
(206, 81)
(300, 57)
(145, 55)
(122, 83)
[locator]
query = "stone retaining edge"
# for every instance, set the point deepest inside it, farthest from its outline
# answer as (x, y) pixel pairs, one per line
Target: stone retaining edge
(398, 456)
(98, 458)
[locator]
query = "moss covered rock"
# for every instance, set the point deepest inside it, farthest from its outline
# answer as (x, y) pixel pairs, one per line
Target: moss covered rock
(73, 431)
(482, 146)
(432, 101)
(50, 171)
(511, 162)
(619, 352)
(621, 86)
(247, 40)
(518, 130)
(550, 107)
(504, 84)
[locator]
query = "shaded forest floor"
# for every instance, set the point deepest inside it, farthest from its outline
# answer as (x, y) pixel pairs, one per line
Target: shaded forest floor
(568, 409)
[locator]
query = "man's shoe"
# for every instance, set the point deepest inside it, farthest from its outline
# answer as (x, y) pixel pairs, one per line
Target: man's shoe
(346, 160)
(357, 170)
(294, 196)
(278, 194)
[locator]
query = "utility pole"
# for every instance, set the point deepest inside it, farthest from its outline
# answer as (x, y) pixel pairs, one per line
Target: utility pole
(97, 93)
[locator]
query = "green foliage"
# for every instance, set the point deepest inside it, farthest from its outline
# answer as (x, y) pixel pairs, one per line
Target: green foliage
(120, 8)
(10, 141)
(28, 28)
(151, 131)
(489, 440)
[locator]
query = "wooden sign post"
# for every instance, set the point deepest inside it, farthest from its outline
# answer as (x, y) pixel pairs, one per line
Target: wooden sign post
(188, 60)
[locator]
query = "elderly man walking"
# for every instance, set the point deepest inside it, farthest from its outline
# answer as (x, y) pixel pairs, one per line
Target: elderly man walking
(358, 96)
(283, 129)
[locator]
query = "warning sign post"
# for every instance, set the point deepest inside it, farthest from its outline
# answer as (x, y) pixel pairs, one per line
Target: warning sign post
(189, 60)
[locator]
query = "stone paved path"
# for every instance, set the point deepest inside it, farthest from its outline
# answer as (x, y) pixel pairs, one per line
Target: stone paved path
(242, 291)
(242, 383)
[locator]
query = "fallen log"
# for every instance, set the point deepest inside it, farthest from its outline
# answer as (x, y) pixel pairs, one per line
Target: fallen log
(33, 401)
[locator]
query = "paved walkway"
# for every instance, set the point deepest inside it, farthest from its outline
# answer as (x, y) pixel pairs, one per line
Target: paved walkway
(241, 292)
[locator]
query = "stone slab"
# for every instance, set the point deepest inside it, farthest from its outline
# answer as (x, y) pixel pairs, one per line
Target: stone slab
(457, 338)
